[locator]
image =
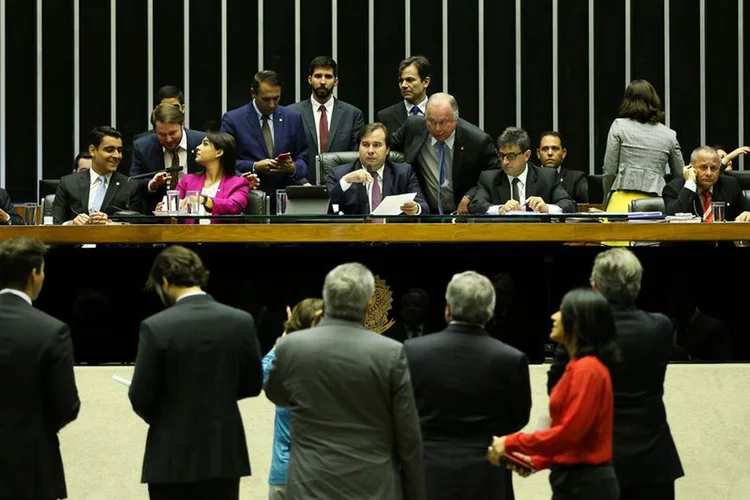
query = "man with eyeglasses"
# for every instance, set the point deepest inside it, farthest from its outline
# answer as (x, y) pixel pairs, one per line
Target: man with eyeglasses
(519, 185)
(447, 154)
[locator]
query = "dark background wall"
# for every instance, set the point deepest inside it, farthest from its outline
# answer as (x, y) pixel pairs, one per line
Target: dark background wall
(115, 90)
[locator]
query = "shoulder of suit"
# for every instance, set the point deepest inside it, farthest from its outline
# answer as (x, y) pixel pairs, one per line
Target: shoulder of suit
(394, 108)
(288, 112)
(471, 129)
(341, 169)
(42, 319)
(195, 135)
(491, 175)
(727, 181)
(338, 103)
(76, 176)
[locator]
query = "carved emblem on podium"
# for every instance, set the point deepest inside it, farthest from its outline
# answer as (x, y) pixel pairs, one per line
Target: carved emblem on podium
(377, 319)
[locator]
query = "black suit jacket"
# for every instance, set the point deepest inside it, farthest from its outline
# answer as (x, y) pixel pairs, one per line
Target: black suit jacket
(72, 196)
(346, 121)
(7, 206)
(468, 387)
(398, 178)
(473, 152)
(38, 396)
(393, 117)
(195, 360)
(494, 188)
(575, 184)
(679, 199)
(644, 451)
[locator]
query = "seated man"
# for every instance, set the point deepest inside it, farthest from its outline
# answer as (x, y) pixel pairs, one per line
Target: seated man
(8, 214)
(90, 196)
(359, 187)
(551, 154)
(519, 184)
(701, 185)
(82, 162)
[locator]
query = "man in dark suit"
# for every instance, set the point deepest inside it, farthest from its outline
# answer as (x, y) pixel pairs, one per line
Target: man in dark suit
(359, 187)
(702, 184)
(447, 153)
(645, 456)
(355, 429)
(92, 195)
(265, 132)
(38, 394)
(468, 386)
(171, 146)
(415, 319)
(551, 154)
(326, 117)
(414, 76)
(8, 214)
(168, 94)
(519, 184)
(195, 360)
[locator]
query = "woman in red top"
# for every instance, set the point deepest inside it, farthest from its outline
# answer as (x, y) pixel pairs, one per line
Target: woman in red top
(578, 445)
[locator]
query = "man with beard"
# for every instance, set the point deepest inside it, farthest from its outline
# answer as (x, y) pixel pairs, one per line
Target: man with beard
(195, 360)
(551, 154)
(331, 125)
(414, 75)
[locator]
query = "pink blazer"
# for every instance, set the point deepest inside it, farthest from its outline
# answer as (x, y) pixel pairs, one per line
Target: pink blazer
(231, 197)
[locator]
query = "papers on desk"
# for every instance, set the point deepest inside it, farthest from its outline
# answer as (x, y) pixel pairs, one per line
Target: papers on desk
(391, 205)
(121, 380)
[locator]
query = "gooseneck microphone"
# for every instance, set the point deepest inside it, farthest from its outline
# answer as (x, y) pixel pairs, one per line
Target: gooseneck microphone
(168, 170)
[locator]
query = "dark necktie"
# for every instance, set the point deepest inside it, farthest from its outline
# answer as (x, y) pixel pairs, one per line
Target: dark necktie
(267, 136)
(441, 175)
(172, 183)
(415, 110)
(323, 129)
(708, 214)
(514, 189)
(377, 195)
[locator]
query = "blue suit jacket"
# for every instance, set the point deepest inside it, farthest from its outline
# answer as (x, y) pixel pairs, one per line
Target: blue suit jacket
(289, 137)
(398, 178)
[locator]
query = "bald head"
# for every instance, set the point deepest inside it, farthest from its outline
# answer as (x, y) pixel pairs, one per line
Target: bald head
(441, 115)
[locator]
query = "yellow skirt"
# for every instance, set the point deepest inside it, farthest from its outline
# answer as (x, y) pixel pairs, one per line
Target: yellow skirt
(619, 201)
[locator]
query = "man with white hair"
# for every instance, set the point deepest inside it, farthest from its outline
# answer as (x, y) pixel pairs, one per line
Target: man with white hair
(355, 429)
(467, 385)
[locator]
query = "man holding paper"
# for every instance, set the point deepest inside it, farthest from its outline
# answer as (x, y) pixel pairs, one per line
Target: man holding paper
(361, 187)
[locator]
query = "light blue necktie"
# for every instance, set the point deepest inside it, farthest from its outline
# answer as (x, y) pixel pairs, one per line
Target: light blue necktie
(441, 176)
(99, 196)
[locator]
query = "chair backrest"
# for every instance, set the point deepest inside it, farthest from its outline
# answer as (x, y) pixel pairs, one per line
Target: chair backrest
(47, 203)
(647, 205)
(326, 161)
(48, 186)
(742, 176)
(596, 188)
(256, 203)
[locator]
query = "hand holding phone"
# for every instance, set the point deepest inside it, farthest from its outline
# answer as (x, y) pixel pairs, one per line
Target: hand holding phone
(284, 156)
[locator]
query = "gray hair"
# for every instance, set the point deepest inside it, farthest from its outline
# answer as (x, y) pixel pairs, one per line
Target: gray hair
(347, 290)
(514, 136)
(702, 149)
(471, 298)
(441, 98)
(617, 273)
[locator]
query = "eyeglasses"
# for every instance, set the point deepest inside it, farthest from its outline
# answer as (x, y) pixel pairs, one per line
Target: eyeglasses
(509, 156)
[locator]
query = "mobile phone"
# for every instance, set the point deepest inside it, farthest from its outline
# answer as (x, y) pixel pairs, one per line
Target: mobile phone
(284, 156)
(517, 462)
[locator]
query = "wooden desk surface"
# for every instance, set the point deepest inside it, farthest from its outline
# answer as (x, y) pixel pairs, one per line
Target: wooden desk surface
(396, 233)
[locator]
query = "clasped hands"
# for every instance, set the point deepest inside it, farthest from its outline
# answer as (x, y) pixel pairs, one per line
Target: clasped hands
(536, 203)
(496, 451)
(94, 218)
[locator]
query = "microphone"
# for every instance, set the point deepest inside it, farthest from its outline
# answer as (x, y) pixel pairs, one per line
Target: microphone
(168, 170)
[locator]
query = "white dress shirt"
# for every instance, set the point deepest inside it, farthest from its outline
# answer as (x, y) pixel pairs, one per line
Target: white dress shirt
(189, 294)
(18, 293)
(94, 184)
(346, 185)
(317, 114)
(495, 209)
(422, 105)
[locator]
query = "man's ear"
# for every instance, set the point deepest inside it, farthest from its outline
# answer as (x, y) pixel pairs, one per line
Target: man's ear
(594, 285)
(92, 149)
(426, 81)
(448, 317)
(538, 154)
(527, 154)
(564, 153)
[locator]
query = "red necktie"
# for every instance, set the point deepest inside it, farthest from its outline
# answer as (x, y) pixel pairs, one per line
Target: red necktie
(323, 129)
(708, 214)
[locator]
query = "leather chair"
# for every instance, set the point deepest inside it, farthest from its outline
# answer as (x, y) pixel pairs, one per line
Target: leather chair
(596, 188)
(326, 161)
(47, 203)
(256, 203)
(648, 205)
(743, 177)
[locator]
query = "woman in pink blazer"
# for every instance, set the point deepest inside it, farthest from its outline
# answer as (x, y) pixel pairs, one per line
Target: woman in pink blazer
(221, 191)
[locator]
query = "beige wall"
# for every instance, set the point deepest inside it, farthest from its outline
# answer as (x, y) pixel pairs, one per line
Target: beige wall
(707, 405)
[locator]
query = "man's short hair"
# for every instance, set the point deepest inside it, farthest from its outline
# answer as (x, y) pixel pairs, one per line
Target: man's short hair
(702, 149)
(553, 133)
(180, 266)
(421, 63)
(372, 127)
(81, 156)
(169, 92)
(266, 76)
(166, 113)
(471, 298)
(514, 136)
(97, 135)
(440, 98)
(347, 290)
(324, 62)
(617, 273)
(18, 258)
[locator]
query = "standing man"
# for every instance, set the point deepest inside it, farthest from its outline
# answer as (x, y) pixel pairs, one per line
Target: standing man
(271, 139)
(168, 94)
(447, 153)
(8, 214)
(331, 125)
(467, 386)
(414, 75)
(38, 394)
(195, 360)
(551, 154)
(355, 430)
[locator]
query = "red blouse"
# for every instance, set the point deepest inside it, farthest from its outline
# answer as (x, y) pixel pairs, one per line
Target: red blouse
(581, 408)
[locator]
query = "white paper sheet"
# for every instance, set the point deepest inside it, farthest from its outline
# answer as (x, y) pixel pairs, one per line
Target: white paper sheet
(391, 205)
(121, 380)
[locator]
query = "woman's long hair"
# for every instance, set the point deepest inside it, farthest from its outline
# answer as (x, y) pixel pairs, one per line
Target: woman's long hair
(225, 142)
(587, 317)
(641, 103)
(303, 315)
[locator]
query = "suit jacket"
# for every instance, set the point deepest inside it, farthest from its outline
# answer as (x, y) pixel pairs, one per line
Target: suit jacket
(398, 178)
(494, 189)
(289, 137)
(72, 196)
(38, 396)
(195, 360)
(7, 206)
(355, 438)
(468, 387)
(679, 199)
(345, 123)
(393, 117)
(231, 197)
(644, 451)
(148, 156)
(575, 183)
(473, 152)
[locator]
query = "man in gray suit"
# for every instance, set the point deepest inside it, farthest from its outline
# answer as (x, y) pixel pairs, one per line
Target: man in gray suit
(355, 429)
(330, 124)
